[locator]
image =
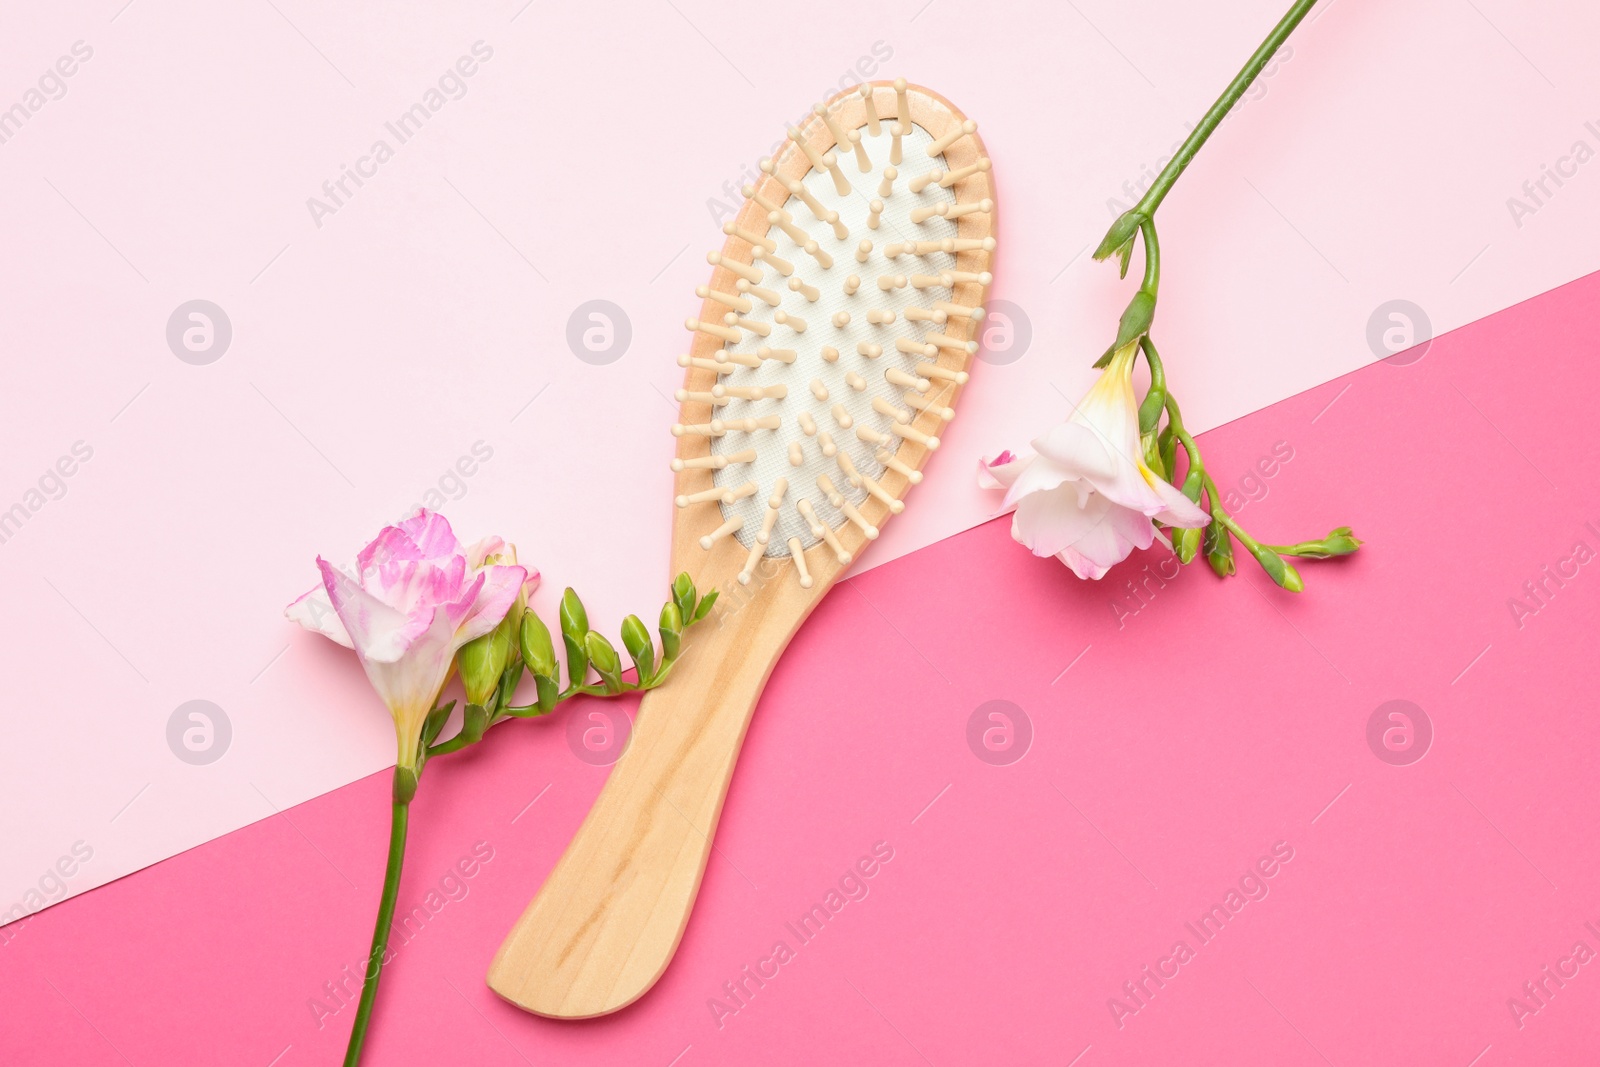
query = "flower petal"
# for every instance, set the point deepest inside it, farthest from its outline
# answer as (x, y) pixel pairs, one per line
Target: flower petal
(481, 550)
(1177, 509)
(1041, 475)
(1050, 521)
(493, 594)
(391, 545)
(1109, 542)
(315, 612)
(432, 534)
(409, 684)
(1000, 471)
(378, 632)
(1082, 450)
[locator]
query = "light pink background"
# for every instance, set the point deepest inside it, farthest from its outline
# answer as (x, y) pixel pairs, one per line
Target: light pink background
(1173, 747)
(429, 313)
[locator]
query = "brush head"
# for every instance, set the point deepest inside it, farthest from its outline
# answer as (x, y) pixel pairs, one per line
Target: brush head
(836, 331)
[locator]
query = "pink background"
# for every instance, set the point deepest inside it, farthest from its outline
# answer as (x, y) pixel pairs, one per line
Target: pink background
(1373, 161)
(1172, 748)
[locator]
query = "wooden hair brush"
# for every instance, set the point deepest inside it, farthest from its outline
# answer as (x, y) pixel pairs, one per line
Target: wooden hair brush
(832, 340)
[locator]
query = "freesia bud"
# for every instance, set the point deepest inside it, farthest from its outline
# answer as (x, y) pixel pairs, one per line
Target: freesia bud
(1219, 549)
(482, 660)
(1339, 542)
(1152, 456)
(1278, 569)
(1151, 407)
(1186, 542)
(537, 650)
(683, 595)
(636, 639)
(671, 627)
(606, 661)
(574, 628)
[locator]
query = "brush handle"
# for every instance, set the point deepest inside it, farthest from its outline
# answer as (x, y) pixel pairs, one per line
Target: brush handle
(609, 918)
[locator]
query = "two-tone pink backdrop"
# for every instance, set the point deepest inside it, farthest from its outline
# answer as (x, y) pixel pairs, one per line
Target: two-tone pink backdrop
(1181, 733)
(416, 340)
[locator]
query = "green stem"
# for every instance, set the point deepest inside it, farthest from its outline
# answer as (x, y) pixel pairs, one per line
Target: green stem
(1142, 215)
(1152, 257)
(524, 711)
(1181, 432)
(380, 932)
(1219, 110)
(1155, 401)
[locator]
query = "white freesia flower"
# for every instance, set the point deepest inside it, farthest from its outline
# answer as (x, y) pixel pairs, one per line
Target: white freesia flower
(1085, 494)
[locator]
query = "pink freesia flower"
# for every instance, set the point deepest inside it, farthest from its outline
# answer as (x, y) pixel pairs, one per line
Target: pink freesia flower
(1085, 495)
(414, 597)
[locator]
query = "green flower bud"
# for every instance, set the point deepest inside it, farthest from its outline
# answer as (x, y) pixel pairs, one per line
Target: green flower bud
(482, 660)
(1169, 456)
(1150, 409)
(574, 620)
(636, 639)
(537, 651)
(549, 691)
(1277, 568)
(1218, 546)
(1339, 542)
(606, 661)
(1193, 482)
(671, 632)
(1152, 455)
(574, 628)
(683, 595)
(1185, 543)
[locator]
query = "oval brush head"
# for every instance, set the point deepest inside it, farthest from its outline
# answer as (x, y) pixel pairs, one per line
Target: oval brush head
(831, 342)
(836, 329)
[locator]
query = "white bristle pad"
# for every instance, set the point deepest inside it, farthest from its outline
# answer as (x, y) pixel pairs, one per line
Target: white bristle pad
(772, 446)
